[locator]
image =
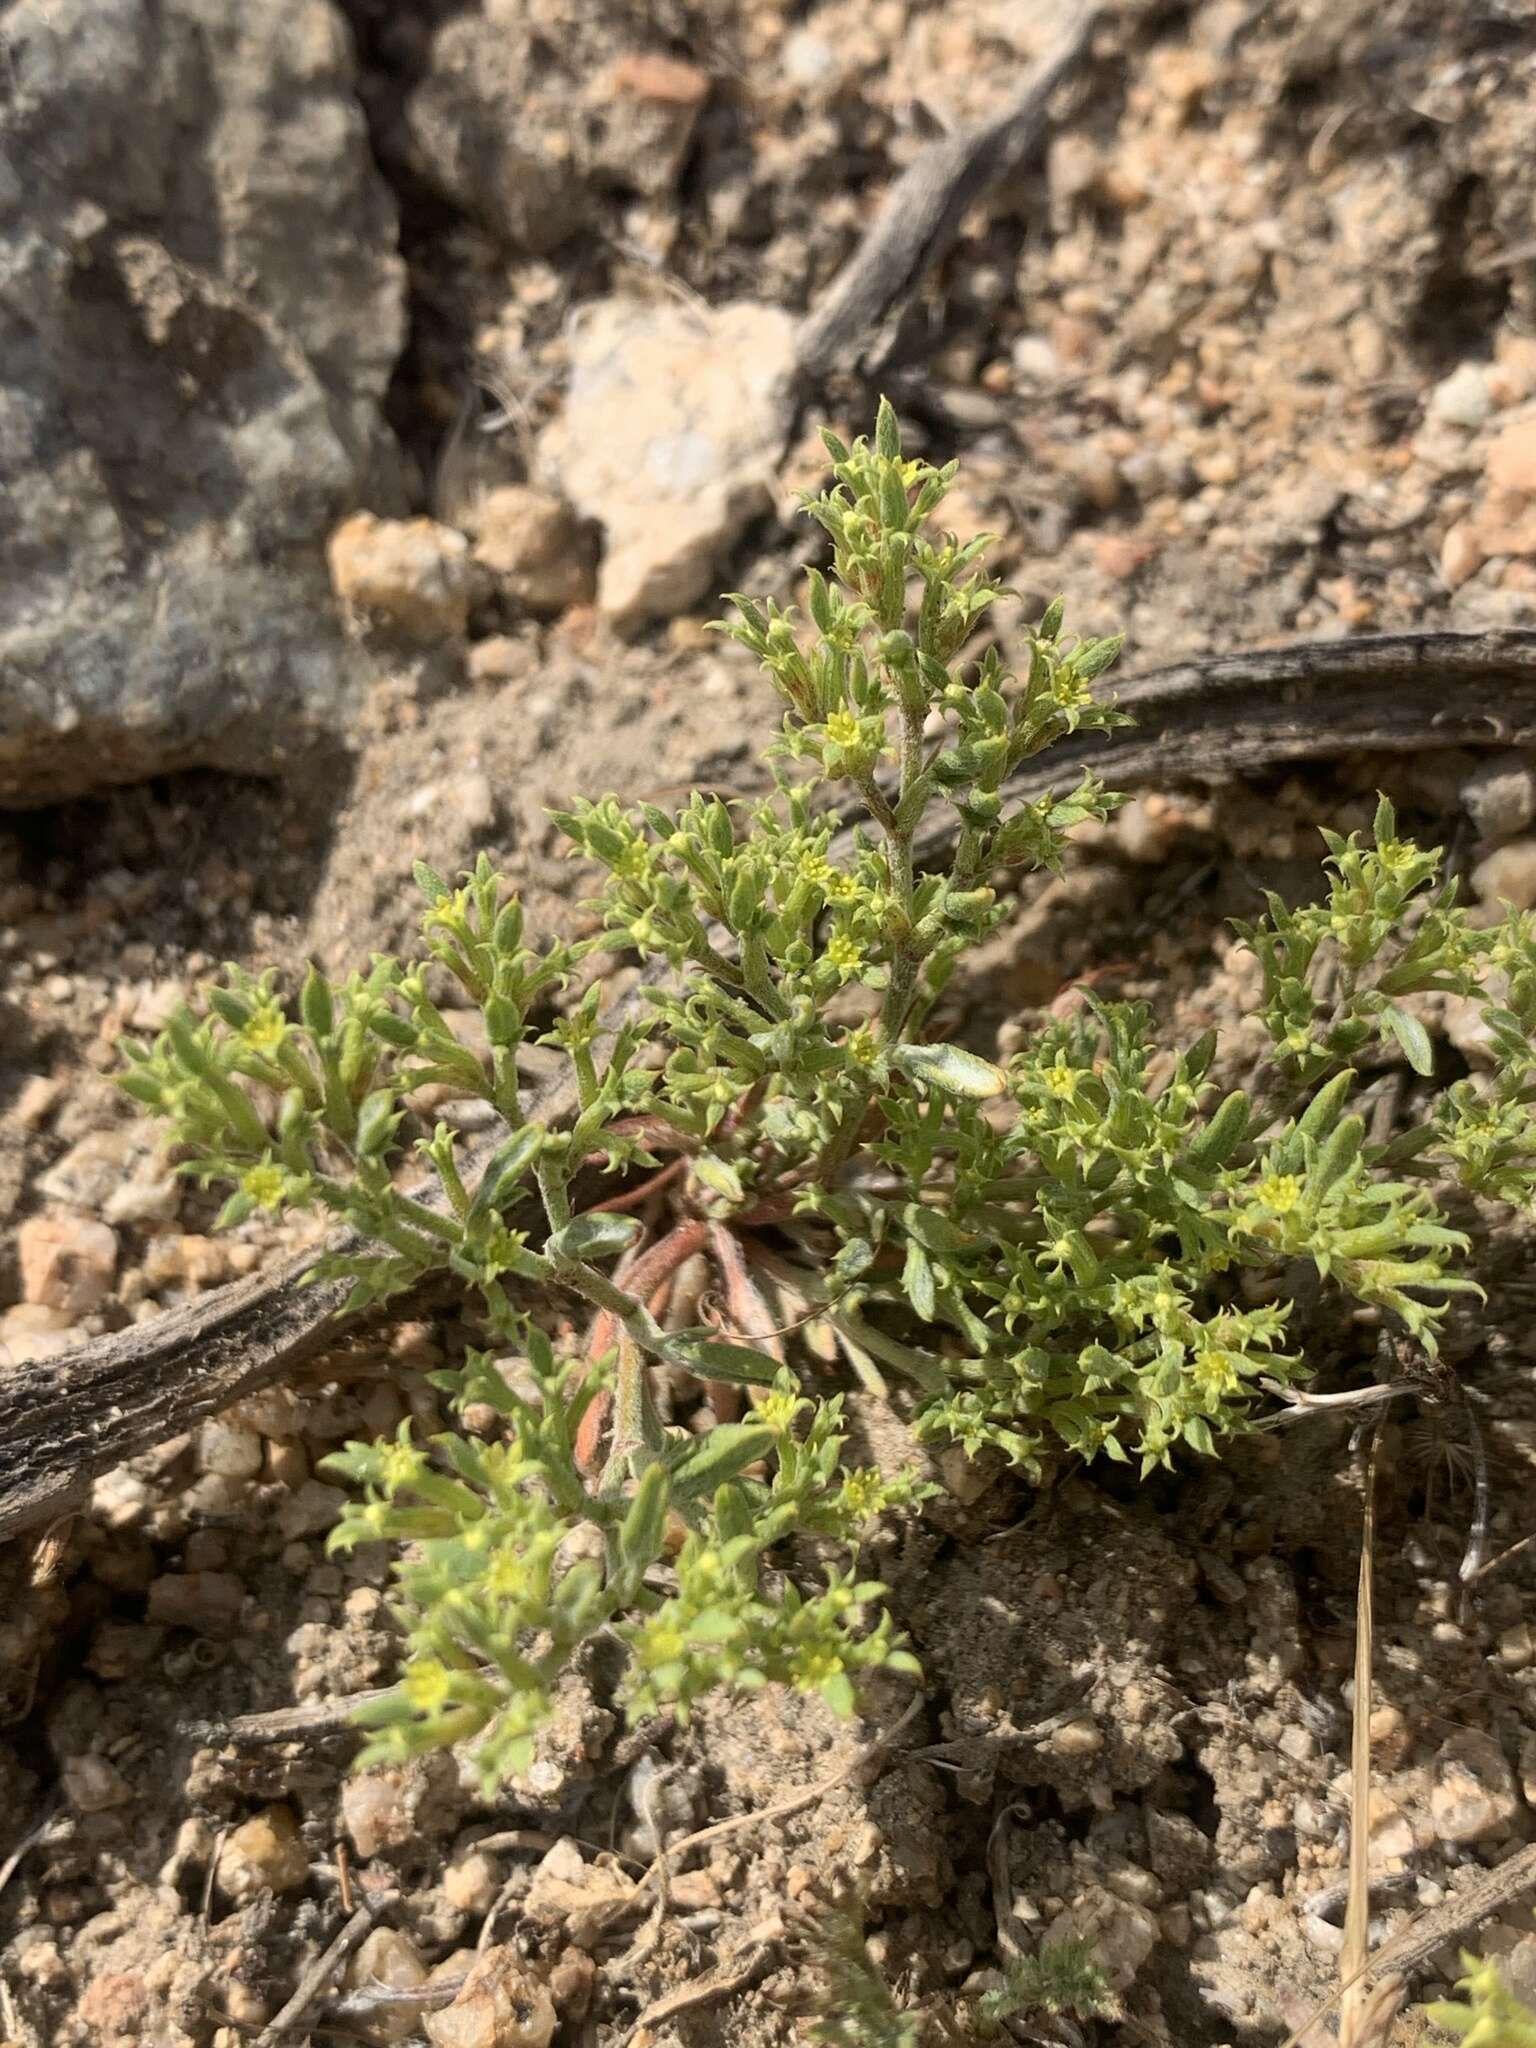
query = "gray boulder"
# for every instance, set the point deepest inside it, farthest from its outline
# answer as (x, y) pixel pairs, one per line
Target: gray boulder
(200, 305)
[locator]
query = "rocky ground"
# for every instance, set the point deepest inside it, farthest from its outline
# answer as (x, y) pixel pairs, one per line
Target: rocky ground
(353, 554)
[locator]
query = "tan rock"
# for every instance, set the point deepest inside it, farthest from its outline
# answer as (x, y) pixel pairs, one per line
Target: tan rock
(412, 575)
(265, 1854)
(534, 546)
(500, 659)
(471, 1882)
(1119, 555)
(500, 2005)
(228, 1447)
(583, 1898)
(1512, 457)
(1508, 875)
(191, 1261)
(645, 109)
(35, 1102)
(93, 1784)
(67, 1263)
(673, 424)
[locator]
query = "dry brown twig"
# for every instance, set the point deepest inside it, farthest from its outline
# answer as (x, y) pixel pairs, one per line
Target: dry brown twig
(1371, 1988)
(1366, 2010)
(322, 1969)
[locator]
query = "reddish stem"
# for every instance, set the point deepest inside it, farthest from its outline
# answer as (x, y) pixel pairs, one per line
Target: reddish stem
(616, 1204)
(645, 1277)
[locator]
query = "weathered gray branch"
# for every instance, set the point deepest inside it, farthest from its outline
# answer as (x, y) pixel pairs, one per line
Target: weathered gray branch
(921, 215)
(64, 1420)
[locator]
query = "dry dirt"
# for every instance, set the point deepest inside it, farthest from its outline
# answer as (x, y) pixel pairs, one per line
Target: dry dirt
(1235, 363)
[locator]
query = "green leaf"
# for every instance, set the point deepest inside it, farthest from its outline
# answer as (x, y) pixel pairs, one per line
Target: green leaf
(1098, 655)
(917, 1281)
(315, 1005)
(837, 1691)
(1337, 1156)
(1318, 1119)
(720, 1455)
(887, 431)
(712, 1359)
(599, 1234)
(951, 1069)
(376, 1124)
(719, 1175)
(642, 1531)
(430, 883)
(505, 1168)
(1412, 1037)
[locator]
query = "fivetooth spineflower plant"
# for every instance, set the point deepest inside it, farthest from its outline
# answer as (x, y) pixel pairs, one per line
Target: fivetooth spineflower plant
(777, 1188)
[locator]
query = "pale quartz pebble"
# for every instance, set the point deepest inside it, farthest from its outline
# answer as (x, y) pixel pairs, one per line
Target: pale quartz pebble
(501, 2005)
(1474, 1796)
(388, 1960)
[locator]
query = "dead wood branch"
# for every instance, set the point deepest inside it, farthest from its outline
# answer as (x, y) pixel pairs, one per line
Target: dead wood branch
(921, 214)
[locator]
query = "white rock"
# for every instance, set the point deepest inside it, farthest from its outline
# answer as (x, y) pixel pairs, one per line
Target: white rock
(29, 1330)
(1462, 400)
(232, 1449)
(145, 1201)
(673, 425)
(1500, 797)
(1474, 1795)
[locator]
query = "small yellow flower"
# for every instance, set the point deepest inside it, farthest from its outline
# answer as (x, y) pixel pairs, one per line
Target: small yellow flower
(267, 1028)
(398, 1467)
(861, 1046)
(1213, 1373)
(427, 1685)
(264, 1184)
(1279, 1192)
(662, 1643)
(863, 1493)
(814, 1665)
(845, 953)
(1061, 1079)
(843, 729)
